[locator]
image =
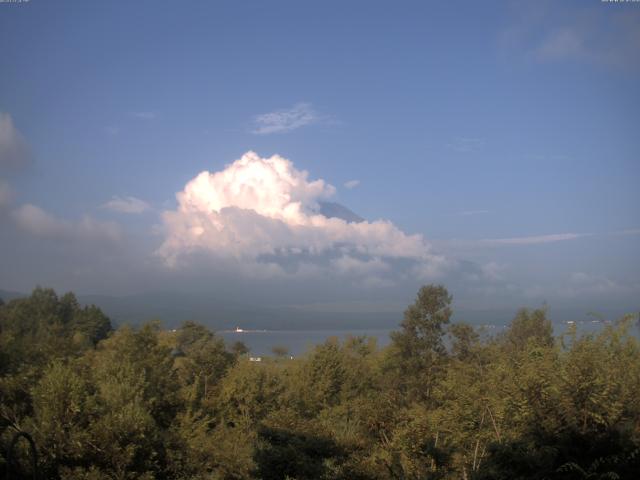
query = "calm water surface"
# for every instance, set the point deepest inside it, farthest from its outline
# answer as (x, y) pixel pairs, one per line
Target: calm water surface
(298, 342)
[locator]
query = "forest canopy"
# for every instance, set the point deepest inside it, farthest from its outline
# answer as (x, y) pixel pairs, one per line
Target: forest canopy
(441, 401)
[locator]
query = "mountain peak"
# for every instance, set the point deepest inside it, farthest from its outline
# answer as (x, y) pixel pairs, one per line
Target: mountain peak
(336, 210)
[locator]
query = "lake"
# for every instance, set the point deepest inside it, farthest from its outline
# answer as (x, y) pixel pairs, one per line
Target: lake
(261, 342)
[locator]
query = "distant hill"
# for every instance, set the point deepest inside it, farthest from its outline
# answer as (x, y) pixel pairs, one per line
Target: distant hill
(7, 295)
(173, 308)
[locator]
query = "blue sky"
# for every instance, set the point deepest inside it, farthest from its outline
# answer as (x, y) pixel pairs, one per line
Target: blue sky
(504, 133)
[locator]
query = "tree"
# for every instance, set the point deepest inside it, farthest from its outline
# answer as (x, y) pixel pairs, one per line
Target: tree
(248, 393)
(239, 348)
(324, 375)
(148, 403)
(43, 327)
(280, 351)
(464, 339)
(528, 326)
(205, 362)
(61, 415)
(418, 349)
(284, 454)
(92, 323)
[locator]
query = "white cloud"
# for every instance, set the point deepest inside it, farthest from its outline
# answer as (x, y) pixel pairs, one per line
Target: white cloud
(581, 278)
(581, 284)
(14, 151)
(38, 222)
(466, 145)
(263, 211)
(549, 32)
(533, 240)
(460, 244)
(6, 194)
(371, 272)
(130, 205)
(561, 43)
(144, 115)
(606, 40)
(493, 271)
(630, 231)
(34, 220)
(281, 121)
(351, 184)
(348, 264)
(468, 213)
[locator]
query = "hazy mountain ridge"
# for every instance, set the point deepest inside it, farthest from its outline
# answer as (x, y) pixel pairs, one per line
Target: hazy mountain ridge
(337, 210)
(173, 308)
(7, 295)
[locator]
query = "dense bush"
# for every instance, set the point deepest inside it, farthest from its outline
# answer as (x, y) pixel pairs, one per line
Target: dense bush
(154, 404)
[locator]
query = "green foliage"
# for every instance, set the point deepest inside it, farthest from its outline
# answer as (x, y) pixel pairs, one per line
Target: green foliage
(280, 350)
(203, 364)
(60, 403)
(417, 353)
(529, 326)
(283, 454)
(248, 393)
(148, 403)
(42, 326)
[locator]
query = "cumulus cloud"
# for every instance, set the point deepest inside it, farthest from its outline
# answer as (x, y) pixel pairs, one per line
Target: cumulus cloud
(131, 205)
(6, 194)
(488, 273)
(352, 184)
(286, 120)
(265, 213)
(14, 151)
(350, 264)
(34, 220)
